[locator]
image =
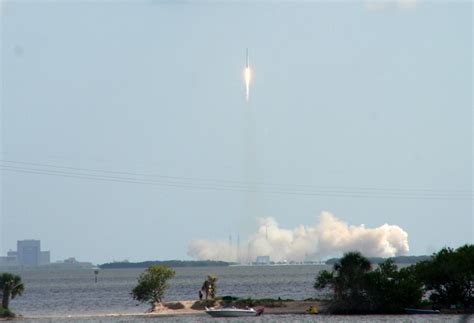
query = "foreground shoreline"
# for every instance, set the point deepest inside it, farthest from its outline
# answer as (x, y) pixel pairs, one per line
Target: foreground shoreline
(287, 308)
(293, 307)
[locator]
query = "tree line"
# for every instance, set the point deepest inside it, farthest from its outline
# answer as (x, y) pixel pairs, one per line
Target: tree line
(444, 281)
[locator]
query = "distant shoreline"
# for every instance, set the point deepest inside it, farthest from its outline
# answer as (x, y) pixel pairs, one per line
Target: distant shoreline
(169, 263)
(399, 260)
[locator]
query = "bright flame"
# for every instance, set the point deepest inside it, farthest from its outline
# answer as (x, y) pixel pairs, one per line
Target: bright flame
(247, 76)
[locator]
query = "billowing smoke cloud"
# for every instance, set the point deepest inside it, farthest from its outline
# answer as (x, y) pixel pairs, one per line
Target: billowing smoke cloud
(329, 237)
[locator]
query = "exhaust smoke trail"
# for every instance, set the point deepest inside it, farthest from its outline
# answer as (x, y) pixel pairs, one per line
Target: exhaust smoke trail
(252, 200)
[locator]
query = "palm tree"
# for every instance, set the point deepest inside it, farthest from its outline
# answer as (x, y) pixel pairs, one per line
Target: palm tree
(348, 281)
(10, 286)
(209, 286)
(351, 267)
(212, 284)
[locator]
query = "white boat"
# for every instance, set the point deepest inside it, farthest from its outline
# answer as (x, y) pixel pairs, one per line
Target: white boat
(420, 311)
(233, 312)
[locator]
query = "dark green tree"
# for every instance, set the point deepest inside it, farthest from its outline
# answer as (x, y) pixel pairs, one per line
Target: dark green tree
(10, 286)
(449, 276)
(358, 289)
(152, 284)
(390, 290)
(348, 283)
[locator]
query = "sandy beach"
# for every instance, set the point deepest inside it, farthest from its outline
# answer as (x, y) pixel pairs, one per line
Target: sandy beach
(291, 307)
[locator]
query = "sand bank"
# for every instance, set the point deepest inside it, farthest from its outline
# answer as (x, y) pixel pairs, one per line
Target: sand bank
(293, 307)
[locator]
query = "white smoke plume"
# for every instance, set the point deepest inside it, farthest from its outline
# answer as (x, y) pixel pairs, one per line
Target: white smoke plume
(329, 237)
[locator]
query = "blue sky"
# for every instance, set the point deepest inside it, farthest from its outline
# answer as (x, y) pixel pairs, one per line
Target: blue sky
(345, 95)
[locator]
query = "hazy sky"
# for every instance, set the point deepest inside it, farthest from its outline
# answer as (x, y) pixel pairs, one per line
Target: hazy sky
(345, 96)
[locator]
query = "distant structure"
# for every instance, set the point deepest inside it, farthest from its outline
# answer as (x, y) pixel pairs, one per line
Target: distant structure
(28, 254)
(262, 260)
(71, 263)
(9, 261)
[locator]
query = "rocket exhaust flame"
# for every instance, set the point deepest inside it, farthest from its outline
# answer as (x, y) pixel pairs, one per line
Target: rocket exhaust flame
(247, 83)
(247, 78)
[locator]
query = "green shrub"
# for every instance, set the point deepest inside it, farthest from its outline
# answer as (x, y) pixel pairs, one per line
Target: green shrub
(6, 313)
(174, 306)
(243, 302)
(200, 305)
(266, 302)
(152, 284)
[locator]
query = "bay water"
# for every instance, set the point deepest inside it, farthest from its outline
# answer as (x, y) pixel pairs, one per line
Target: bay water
(74, 296)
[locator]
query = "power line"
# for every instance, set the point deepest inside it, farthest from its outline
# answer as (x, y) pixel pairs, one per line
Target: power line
(196, 180)
(86, 174)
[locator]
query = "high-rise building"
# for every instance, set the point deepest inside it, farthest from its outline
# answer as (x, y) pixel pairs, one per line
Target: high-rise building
(29, 252)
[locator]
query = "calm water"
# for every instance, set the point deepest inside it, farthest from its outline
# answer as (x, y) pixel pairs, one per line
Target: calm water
(52, 296)
(67, 292)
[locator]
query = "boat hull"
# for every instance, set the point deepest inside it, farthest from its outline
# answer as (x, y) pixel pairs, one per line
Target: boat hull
(233, 312)
(230, 314)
